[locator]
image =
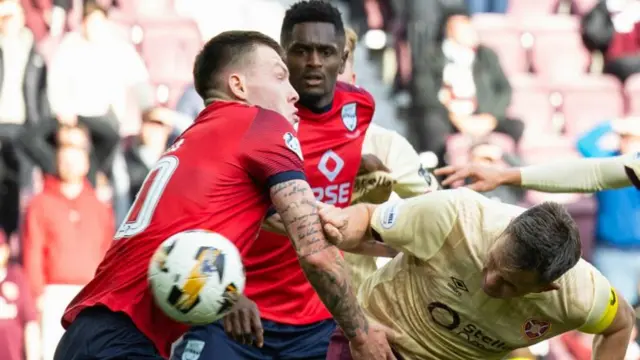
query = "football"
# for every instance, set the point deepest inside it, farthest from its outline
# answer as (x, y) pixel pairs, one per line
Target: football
(196, 276)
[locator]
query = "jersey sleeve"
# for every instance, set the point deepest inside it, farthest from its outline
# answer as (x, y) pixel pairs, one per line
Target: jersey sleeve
(411, 178)
(632, 168)
(270, 150)
(420, 225)
(591, 301)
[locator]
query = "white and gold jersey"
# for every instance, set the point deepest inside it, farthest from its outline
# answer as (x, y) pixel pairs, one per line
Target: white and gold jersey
(632, 168)
(431, 294)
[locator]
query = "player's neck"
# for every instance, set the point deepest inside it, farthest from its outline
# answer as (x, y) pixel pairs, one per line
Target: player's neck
(220, 96)
(317, 105)
(71, 190)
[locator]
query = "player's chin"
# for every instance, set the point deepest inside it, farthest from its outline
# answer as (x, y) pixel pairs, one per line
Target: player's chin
(313, 92)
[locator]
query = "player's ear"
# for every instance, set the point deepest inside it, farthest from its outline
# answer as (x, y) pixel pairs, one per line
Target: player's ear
(343, 61)
(238, 85)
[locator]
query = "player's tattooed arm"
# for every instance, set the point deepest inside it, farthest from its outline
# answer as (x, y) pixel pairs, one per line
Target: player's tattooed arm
(322, 263)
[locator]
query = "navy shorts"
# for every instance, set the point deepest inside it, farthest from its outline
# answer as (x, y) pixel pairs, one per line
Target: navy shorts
(281, 342)
(100, 334)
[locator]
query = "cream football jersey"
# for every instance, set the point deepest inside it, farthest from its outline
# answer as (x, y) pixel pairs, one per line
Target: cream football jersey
(632, 167)
(431, 294)
(407, 178)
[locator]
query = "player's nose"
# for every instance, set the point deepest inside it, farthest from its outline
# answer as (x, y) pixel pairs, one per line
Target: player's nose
(293, 95)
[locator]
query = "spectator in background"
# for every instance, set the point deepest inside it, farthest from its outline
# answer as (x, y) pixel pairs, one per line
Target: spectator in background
(613, 28)
(144, 150)
(488, 6)
(463, 90)
(90, 76)
(19, 329)
(617, 247)
(46, 17)
(23, 102)
(67, 231)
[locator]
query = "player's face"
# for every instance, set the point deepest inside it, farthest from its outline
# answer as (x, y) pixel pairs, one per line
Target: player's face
(315, 56)
(268, 86)
(501, 281)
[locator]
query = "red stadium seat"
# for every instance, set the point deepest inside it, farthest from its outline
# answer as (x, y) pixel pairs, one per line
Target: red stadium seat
(146, 8)
(589, 100)
(499, 33)
(531, 7)
(632, 93)
(530, 102)
(169, 47)
(584, 6)
(558, 51)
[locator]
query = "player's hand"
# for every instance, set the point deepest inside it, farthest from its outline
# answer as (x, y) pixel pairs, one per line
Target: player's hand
(243, 323)
(484, 178)
(371, 163)
(374, 347)
(334, 223)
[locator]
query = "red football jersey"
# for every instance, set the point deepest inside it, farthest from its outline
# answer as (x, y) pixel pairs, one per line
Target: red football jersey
(332, 144)
(215, 177)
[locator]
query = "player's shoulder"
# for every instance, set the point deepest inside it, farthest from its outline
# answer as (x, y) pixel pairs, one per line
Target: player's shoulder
(353, 93)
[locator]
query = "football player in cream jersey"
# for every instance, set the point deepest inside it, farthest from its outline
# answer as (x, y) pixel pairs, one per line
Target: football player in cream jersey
(476, 278)
(403, 173)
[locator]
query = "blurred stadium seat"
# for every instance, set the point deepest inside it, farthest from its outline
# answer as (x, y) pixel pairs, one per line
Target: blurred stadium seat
(531, 7)
(584, 6)
(588, 100)
(530, 102)
(500, 33)
(146, 8)
(632, 93)
(171, 68)
(557, 49)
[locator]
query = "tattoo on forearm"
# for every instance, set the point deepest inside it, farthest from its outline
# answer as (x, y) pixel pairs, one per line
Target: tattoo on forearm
(334, 289)
(297, 207)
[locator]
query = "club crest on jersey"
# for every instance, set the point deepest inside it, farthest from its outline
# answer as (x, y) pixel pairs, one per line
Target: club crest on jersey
(349, 117)
(293, 144)
(534, 329)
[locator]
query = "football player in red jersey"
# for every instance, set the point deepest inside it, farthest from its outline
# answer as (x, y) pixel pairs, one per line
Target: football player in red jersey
(221, 174)
(334, 118)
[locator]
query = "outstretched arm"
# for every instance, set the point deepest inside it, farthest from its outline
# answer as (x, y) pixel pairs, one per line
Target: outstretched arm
(579, 175)
(321, 262)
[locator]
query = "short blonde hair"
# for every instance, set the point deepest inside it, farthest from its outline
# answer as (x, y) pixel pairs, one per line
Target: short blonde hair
(352, 40)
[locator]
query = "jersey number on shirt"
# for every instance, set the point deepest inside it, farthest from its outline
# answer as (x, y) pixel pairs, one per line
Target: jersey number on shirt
(142, 209)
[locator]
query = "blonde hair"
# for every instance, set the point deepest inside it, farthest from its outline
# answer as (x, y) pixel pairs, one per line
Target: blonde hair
(352, 40)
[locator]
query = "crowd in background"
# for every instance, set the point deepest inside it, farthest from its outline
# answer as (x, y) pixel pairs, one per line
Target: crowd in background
(92, 91)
